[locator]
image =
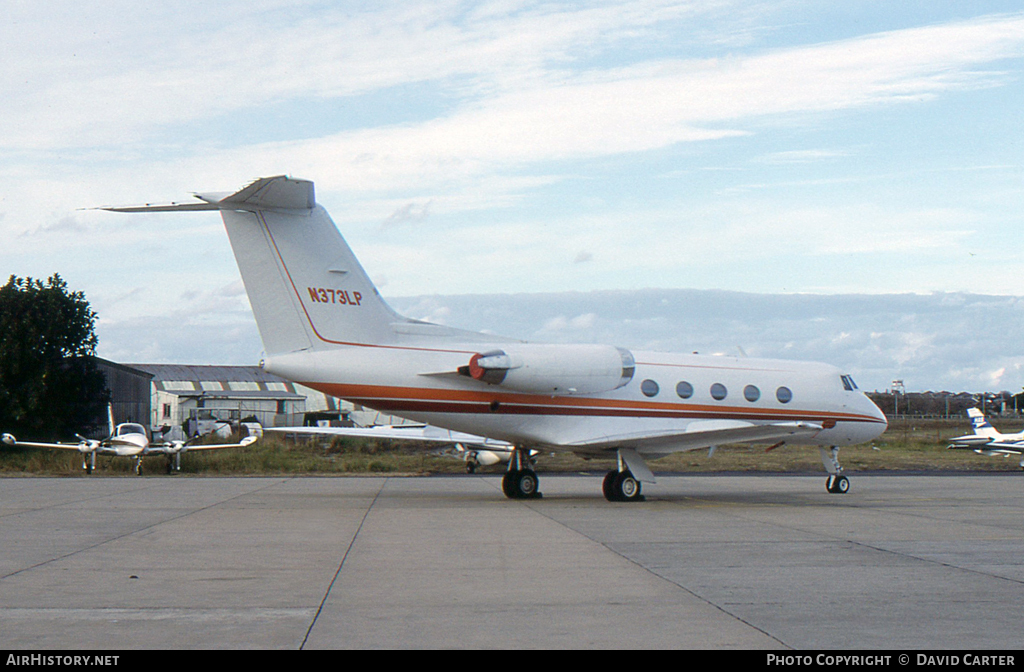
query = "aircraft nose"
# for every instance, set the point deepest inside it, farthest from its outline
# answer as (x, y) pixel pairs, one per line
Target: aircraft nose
(879, 427)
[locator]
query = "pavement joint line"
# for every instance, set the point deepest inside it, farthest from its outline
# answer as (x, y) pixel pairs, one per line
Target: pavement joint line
(531, 505)
(337, 572)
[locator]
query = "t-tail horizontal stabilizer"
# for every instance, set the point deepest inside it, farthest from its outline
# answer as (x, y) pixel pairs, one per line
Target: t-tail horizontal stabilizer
(289, 254)
(267, 193)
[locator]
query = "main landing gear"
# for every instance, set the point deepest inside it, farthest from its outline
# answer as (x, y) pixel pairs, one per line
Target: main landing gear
(621, 486)
(836, 483)
(520, 481)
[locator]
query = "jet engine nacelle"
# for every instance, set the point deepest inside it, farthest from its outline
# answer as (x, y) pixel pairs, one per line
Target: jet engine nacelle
(553, 369)
(487, 458)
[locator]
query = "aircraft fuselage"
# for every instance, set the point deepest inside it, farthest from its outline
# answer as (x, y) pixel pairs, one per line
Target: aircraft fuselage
(667, 392)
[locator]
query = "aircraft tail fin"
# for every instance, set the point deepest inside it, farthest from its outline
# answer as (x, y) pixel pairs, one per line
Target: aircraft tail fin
(306, 287)
(980, 424)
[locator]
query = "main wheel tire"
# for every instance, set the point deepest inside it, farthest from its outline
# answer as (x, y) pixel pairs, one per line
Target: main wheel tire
(627, 487)
(608, 486)
(508, 484)
(527, 484)
(521, 484)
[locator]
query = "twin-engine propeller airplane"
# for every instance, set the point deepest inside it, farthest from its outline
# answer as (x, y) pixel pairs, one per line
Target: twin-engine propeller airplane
(128, 439)
(986, 440)
(324, 325)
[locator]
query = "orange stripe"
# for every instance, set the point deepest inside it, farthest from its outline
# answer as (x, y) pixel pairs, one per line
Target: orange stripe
(468, 401)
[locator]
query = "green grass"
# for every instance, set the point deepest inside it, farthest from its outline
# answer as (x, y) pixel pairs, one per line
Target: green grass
(906, 445)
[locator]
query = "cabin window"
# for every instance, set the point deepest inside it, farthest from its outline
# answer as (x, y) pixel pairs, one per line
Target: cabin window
(719, 391)
(751, 393)
(684, 390)
(784, 395)
(649, 388)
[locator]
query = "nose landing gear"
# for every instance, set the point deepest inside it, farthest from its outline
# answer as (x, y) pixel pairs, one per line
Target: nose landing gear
(836, 483)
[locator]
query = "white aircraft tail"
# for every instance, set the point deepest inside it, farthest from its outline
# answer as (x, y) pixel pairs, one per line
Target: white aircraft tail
(980, 424)
(306, 287)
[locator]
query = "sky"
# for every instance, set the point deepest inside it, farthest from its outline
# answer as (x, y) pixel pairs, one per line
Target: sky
(773, 153)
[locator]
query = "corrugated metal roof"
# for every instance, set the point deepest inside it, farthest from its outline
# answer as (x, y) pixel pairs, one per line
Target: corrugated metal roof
(203, 372)
(234, 394)
(125, 368)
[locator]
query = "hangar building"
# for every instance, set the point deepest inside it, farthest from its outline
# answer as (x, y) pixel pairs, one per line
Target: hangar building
(192, 397)
(202, 395)
(130, 394)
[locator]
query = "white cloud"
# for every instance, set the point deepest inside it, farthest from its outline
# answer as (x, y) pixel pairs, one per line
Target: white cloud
(932, 341)
(640, 108)
(525, 105)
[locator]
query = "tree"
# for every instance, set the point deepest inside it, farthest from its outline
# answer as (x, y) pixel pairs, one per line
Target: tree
(50, 385)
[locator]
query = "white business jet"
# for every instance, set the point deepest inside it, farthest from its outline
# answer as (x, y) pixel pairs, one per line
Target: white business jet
(987, 440)
(128, 439)
(324, 325)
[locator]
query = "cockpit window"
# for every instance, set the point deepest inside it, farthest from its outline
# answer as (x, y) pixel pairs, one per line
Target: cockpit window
(848, 384)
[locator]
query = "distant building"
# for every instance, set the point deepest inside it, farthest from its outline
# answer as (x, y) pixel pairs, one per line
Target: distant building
(130, 395)
(190, 398)
(195, 397)
(895, 403)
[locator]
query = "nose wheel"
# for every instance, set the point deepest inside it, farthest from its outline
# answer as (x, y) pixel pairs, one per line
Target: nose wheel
(836, 483)
(839, 485)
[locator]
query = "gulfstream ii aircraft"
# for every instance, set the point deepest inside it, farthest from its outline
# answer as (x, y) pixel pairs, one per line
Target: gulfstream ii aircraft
(324, 325)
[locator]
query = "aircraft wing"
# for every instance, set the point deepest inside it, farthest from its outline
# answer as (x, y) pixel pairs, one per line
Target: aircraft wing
(969, 441)
(399, 432)
(1008, 447)
(9, 440)
(702, 434)
(172, 448)
(991, 451)
(249, 440)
